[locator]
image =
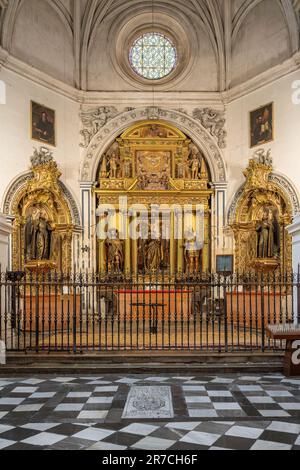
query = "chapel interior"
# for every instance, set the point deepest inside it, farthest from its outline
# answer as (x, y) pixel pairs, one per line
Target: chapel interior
(111, 111)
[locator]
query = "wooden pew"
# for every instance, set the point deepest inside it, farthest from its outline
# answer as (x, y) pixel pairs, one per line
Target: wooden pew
(291, 334)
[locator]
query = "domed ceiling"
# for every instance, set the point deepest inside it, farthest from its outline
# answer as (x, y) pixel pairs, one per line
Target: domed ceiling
(83, 43)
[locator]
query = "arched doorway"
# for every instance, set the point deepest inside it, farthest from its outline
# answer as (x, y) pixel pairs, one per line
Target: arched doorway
(153, 203)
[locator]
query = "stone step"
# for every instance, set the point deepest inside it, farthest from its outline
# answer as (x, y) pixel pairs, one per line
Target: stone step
(121, 362)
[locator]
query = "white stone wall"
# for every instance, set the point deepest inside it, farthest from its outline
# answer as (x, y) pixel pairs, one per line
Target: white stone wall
(15, 131)
(46, 35)
(285, 148)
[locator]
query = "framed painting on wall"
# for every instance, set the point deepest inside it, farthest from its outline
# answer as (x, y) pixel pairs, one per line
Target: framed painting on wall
(43, 124)
(224, 264)
(262, 125)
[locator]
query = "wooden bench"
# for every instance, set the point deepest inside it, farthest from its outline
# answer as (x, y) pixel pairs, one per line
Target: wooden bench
(291, 334)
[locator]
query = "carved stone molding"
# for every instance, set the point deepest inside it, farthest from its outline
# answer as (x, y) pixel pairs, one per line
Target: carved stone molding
(115, 126)
(214, 121)
(94, 119)
(289, 189)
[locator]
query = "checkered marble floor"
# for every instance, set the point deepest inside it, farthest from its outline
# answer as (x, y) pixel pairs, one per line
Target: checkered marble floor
(210, 412)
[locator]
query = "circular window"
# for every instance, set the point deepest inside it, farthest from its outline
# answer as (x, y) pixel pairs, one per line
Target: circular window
(153, 56)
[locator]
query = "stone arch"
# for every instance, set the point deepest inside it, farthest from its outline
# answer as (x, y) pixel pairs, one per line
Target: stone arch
(201, 137)
(18, 184)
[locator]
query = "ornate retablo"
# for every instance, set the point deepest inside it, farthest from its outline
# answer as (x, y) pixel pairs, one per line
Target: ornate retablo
(153, 163)
(42, 230)
(262, 214)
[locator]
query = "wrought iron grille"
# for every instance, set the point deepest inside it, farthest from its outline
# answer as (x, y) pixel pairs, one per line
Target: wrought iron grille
(89, 312)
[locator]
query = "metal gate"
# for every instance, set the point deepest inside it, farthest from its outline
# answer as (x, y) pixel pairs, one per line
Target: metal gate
(89, 312)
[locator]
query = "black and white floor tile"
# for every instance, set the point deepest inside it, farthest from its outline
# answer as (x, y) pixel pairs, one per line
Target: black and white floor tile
(207, 412)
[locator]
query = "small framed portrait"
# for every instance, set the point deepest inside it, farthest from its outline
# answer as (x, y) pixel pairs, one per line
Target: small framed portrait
(262, 125)
(225, 264)
(43, 124)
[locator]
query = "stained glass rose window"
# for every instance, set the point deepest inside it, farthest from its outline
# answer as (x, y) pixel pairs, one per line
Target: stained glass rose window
(153, 56)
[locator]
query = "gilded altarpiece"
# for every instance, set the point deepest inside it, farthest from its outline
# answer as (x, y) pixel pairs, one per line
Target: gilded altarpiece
(262, 243)
(42, 227)
(153, 163)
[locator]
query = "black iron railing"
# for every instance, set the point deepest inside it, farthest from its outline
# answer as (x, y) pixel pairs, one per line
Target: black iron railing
(90, 312)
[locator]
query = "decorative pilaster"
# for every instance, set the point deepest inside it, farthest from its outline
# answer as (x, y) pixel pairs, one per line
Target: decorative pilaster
(218, 219)
(88, 241)
(294, 231)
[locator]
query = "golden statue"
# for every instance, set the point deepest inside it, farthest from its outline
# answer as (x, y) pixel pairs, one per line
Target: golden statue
(153, 255)
(113, 166)
(262, 213)
(195, 163)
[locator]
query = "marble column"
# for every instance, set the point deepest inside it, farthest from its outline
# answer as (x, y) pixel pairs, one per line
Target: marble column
(218, 220)
(5, 232)
(88, 241)
(294, 231)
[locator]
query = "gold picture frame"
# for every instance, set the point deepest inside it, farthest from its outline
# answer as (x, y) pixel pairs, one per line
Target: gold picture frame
(262, 125)
(42, 124)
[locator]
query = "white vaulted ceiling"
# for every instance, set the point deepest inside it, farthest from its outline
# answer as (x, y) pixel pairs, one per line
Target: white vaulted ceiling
(73, 41)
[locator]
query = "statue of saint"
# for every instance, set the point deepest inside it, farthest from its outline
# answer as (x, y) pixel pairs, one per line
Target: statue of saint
(153, 255)
(153, 252)
(195, 162)
(180, 169)
(268, 232)
(127, 169)
(103, 168)
(113, 165)
(115, 252)
(195, 167)
(192, 253)
(38, 237)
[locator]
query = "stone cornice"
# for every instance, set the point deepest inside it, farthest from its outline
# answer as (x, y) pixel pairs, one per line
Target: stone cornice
(270, 76)
(131, 98)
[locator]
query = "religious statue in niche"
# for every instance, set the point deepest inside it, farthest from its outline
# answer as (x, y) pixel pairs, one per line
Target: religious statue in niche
(38, 236)
(103, 168)
(153, 254)
(114, 252)
(194, 163)
(152, 250)
(127, 169)
(110, 163)
(113, 166)
(268, 235)
(192, 249)
(180, 169)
